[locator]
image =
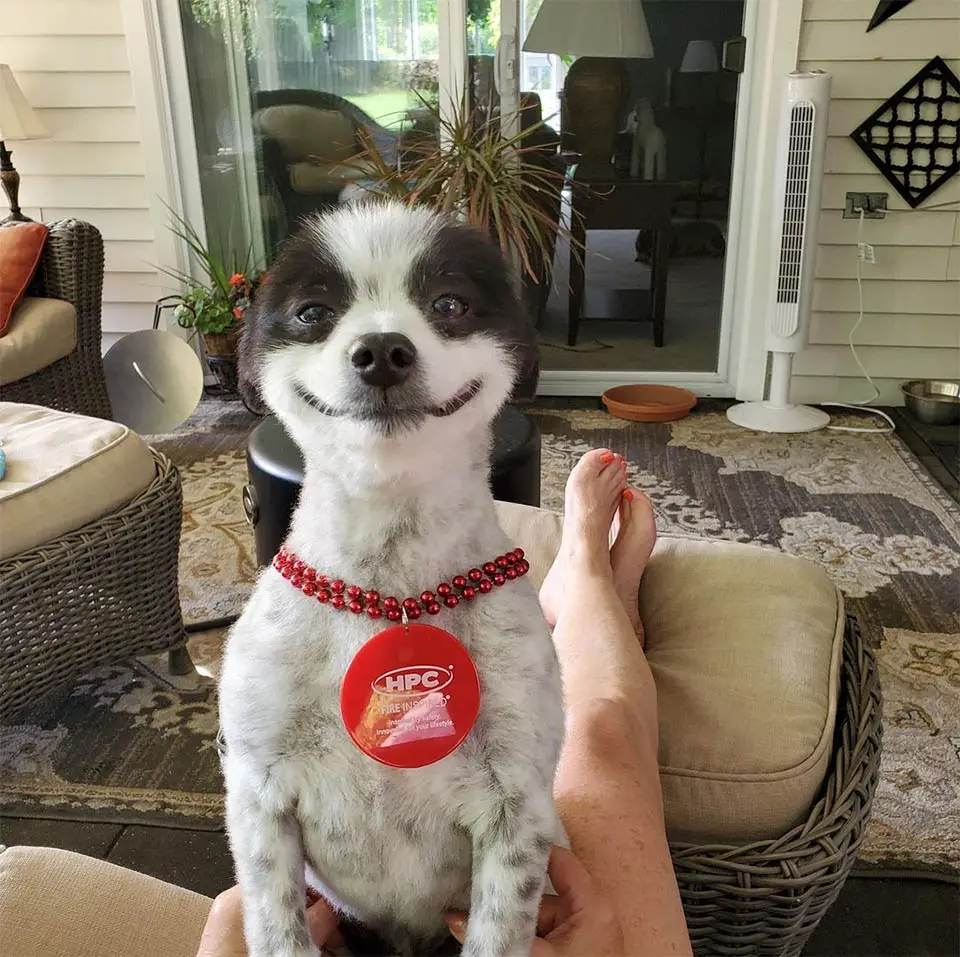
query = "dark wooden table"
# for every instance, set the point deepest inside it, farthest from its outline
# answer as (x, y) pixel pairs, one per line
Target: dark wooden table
(606, 199)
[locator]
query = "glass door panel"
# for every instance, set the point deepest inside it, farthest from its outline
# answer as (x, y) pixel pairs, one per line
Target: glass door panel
(282, 92)
(677, 124)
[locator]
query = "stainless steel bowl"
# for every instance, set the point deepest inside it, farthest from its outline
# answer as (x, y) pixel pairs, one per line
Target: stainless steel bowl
(932, 401)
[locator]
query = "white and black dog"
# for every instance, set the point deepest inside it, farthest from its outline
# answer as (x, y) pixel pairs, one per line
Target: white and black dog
(386, 341)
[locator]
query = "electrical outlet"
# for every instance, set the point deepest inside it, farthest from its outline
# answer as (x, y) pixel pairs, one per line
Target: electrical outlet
(874, 205)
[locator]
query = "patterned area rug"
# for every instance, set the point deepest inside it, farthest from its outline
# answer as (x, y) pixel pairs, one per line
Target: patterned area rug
(130, 744)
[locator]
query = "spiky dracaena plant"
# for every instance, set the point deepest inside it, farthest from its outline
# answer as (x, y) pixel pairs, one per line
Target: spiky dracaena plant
(471, 170)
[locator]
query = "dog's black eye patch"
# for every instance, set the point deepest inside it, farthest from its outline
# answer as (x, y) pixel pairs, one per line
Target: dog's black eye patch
(307, 293)
(305, 296)
(462, 284)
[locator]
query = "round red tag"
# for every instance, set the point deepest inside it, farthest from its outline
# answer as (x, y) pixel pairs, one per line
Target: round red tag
(410, 696)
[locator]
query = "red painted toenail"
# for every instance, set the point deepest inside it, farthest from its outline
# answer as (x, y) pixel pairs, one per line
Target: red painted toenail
(628, 495)
(607, 458)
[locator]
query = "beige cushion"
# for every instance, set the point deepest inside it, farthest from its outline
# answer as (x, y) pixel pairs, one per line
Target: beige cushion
(40, 332)
(744, 644)
(312, 178)
(305, 133)
(56, 903)
(64, 471)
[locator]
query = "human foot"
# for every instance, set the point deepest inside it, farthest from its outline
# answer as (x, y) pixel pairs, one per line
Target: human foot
(636, 535)
(592, 496)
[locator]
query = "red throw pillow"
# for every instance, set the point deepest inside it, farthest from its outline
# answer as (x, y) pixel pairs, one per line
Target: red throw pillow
(20, 247)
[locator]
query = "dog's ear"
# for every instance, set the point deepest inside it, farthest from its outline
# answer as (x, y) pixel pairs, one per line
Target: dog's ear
(247, 366)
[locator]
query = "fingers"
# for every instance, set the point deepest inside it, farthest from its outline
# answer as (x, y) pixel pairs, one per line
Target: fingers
(223, 933)
(575, 892)
(570, 878)
(551, 914)
(457, 925)
(574, 886)
(322, 923)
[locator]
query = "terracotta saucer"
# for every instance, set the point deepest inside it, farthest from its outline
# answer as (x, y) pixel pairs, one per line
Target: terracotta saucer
(649, 403)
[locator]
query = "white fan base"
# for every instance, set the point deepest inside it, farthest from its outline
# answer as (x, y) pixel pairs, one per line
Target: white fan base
(766, 417)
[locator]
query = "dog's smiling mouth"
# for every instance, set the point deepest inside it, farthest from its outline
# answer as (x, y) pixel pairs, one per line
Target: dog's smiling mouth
(470, 391)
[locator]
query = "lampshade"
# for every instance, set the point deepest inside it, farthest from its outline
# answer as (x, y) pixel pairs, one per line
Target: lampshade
(601, 28)
(700, 57)
(17, 119)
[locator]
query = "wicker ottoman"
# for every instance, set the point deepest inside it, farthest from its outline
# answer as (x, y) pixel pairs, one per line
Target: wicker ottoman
(769, 708)
(88, 555)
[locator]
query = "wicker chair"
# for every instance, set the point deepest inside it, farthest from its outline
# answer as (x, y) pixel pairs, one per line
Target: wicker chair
(71, 268)
(767, 898)
(105, 592)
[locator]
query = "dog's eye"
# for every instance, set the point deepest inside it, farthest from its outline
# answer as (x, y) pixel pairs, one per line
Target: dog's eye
(450, 307)
(314, 313)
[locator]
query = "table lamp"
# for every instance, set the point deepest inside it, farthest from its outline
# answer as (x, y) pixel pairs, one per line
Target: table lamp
(17, 122)
(601, 34)
(700, 56)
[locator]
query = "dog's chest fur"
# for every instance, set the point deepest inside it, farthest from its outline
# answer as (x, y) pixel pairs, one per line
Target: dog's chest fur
(388, 846)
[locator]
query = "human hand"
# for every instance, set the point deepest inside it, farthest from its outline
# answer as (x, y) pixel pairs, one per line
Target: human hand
(223, 932)
(577, 921)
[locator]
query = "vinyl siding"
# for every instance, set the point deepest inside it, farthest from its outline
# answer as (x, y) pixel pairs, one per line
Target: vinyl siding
(911, 325)
(70, 58)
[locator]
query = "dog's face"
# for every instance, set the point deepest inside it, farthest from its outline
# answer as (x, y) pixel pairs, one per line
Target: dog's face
(380, 321)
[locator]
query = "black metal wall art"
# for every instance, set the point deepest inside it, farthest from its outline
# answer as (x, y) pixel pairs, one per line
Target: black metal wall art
(885, 10)
(914, 138)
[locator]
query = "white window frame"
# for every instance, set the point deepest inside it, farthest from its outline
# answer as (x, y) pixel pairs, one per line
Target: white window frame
(158, 66)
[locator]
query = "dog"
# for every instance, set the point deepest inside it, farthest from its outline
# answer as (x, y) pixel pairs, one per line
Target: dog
(385, 340)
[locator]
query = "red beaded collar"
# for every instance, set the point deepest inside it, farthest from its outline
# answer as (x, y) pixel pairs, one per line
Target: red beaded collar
(353, 598)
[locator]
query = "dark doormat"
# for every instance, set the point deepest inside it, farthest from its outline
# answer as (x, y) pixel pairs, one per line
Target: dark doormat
(890, 917)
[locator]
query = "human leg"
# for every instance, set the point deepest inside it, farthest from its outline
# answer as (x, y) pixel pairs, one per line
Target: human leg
(607, 786)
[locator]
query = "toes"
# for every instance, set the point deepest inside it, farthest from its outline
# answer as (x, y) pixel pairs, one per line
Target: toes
(591, 464)
(599, 472)
(596, 460)
(636, 513)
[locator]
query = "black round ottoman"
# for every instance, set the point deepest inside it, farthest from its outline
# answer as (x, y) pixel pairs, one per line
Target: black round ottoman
(275, 467)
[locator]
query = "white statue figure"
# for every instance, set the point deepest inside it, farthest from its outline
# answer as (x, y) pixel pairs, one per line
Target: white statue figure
(648, 142)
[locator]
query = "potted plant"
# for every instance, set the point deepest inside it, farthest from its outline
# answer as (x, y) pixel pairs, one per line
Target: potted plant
(214, 304)
(510, 187)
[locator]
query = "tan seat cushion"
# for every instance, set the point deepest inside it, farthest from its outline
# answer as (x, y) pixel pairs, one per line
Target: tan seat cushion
(305, 132)
(64, 471)
(744, 644)
(40, 332)
(55, 903)
(312, 178)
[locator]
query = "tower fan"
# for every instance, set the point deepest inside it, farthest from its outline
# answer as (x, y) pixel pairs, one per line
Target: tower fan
(799, 178)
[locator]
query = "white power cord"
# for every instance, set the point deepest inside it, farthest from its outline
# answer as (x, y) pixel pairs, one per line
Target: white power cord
(864, 254)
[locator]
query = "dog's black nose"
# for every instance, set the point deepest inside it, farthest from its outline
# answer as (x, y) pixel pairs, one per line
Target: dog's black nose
(383, 359)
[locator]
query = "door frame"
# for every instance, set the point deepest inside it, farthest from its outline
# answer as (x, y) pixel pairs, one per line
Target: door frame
(772, 29)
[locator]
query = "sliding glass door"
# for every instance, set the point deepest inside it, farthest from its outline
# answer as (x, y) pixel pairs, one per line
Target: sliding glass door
(285, 92)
